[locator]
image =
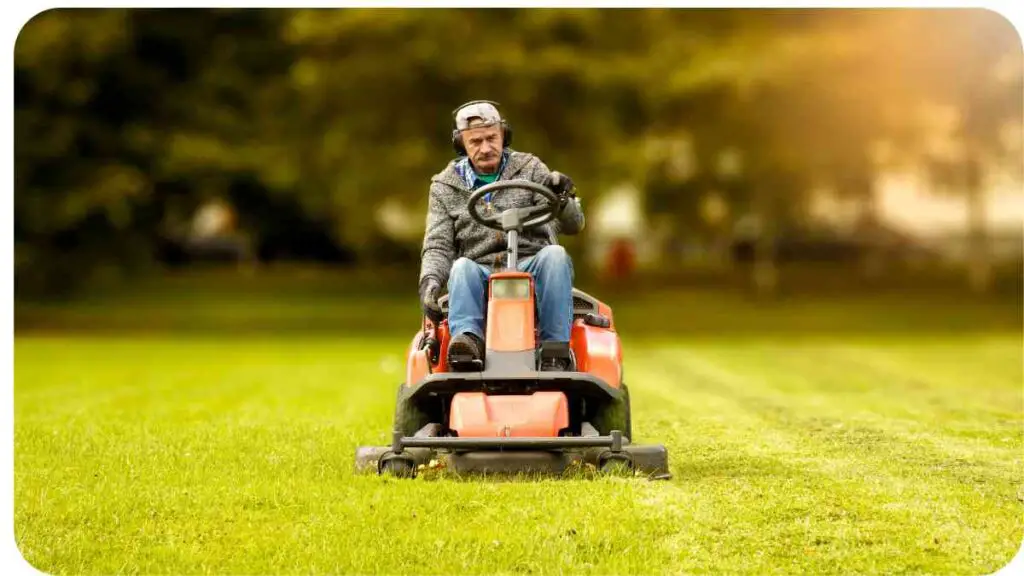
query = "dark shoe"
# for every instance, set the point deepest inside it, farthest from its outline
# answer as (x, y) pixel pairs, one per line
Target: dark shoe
(556, 356)
(555, 365)
(466, 352)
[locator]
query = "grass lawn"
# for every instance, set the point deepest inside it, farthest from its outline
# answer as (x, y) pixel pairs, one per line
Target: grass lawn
(196, 453)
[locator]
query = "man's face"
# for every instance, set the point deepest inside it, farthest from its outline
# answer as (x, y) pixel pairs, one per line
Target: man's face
(483, 146)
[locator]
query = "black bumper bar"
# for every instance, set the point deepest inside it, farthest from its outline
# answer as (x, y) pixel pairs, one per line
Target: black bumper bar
(613, 442)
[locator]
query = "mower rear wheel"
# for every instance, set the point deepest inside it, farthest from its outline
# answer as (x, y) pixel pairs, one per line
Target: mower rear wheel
(408, 417)
(616, 415)
(627, 430)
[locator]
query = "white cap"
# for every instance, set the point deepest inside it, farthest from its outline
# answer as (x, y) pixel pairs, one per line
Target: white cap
(482, 109)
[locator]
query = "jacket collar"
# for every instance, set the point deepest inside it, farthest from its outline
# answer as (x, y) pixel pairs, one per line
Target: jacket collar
(455, 177)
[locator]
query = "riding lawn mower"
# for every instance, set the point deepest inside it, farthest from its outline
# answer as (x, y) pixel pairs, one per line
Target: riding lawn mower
(504, 414)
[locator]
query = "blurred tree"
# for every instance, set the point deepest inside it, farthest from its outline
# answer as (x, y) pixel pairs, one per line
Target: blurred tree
(814, 103)
(963, 82)
(127, 120)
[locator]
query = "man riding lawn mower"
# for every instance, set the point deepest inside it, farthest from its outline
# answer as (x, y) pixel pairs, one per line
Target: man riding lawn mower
(514, 370)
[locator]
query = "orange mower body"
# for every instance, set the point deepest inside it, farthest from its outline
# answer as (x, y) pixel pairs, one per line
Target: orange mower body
(509, 416)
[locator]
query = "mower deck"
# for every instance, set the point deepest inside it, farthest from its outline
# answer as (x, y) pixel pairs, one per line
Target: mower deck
(512, 455)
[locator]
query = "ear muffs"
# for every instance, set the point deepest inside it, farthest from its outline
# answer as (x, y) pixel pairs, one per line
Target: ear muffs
(457, 144)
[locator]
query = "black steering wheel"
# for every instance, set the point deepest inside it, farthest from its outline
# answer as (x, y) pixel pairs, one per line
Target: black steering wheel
(521, 218)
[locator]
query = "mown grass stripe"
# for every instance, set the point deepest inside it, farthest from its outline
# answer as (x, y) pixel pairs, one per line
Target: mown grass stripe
(820, 383)
(865, 470)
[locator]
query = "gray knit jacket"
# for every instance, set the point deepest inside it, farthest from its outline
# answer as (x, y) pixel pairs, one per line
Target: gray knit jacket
(451, 232)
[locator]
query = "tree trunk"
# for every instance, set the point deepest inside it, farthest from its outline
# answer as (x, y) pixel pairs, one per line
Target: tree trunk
(872, 264)
(979, 262)
(765, 270)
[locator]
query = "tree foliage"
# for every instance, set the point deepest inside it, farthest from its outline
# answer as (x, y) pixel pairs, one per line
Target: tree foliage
(126, 120)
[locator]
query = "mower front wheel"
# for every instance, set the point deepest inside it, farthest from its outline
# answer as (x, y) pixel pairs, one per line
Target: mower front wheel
(617, 465)
(398, 467)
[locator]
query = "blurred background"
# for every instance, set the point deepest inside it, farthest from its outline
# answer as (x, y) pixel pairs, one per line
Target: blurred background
(268, 169)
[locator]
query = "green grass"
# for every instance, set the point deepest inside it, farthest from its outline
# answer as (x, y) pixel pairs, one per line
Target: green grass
(221, 454)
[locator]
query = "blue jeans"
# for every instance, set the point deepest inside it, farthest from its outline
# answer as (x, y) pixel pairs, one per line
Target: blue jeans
(553, 275)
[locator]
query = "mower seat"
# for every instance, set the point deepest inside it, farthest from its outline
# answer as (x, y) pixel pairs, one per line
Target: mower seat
(582, 304)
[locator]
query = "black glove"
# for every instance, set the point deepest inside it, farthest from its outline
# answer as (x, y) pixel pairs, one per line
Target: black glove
(560, 184)
(428, 297)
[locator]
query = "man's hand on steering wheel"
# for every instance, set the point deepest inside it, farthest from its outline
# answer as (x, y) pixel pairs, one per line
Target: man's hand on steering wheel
(560, 184)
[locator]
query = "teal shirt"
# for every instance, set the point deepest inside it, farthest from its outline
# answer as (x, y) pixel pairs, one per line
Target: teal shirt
(486, 178)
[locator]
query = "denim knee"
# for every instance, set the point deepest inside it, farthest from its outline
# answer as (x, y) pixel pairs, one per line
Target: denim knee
(462, 267)
(552, 258)
(553, 252)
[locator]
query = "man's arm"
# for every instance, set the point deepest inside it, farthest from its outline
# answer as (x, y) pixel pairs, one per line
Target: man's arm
(571, 220)
(438, 241)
